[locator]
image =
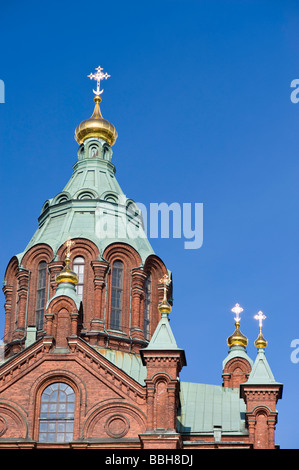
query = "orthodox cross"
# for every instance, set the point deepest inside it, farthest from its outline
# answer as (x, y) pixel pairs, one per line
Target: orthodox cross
(237, 309)
(260, 317)
(68, 245)
(165, 281)
(98, 77)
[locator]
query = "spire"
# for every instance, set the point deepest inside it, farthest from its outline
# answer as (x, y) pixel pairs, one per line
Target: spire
(164, 307)
(96, 126)
(261, 372)
(260, 342)
(237, 338)
(163, 338)
(237, 343)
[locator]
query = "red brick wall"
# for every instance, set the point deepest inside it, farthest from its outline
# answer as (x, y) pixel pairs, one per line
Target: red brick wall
(96, 295)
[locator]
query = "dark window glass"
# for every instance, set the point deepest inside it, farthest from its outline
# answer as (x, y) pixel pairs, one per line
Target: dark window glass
(56, 421)
(116, 295)
(40, 294)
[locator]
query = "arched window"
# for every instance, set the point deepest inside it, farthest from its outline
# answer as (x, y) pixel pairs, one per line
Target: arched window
(147, 306)
(116, 295)
(40, 294)
(78, 268)
(56, 420)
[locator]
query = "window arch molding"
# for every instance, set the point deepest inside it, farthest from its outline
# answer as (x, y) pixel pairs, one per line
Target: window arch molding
(31, 260)
(130, 259)
(57, 413)
(81, 247)
(10, 291)
(47, 379)
(61, 197)
(126, 253)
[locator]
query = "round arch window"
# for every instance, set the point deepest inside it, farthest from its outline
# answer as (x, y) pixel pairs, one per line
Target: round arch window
(56, 420)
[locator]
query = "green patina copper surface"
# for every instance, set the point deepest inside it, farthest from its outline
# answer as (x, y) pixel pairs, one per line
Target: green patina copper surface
(204, 406)
(261, 372)
(92, 205)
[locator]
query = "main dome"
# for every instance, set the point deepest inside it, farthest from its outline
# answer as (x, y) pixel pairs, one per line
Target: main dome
(96, 127)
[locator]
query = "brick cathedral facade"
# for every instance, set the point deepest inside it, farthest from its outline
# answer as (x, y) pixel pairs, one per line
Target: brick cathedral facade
(90, 360)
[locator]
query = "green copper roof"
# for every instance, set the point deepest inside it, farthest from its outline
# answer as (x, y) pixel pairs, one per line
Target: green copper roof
(163, 337)
(237, 351)
(92, 206)
(261, 372)
(204, 406)
(130, 363)
(68, 289)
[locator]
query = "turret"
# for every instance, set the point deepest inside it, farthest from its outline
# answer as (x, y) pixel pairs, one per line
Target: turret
(237, 365)
(260, 393)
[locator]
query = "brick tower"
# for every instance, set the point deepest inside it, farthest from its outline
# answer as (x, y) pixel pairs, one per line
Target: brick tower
(90, 358)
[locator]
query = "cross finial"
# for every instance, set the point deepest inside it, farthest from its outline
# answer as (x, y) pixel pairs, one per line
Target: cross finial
(237, 309)
(98, 77)
(260, 317)
(260, 342)
(68, 245)
(165, 281)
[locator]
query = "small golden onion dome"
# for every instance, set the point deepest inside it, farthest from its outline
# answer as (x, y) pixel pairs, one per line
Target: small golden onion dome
(260, 342)
(164, 307)
(67, 275)
(237, 338)
(96, 126)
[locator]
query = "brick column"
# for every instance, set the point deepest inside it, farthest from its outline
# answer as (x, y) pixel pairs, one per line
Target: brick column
(74, 323)
(54, 268)
(137, 314)
(100, 269)
(163, 367)
(22, 293)
(49, 323)
(8, 290)
(261, 414)
(271, 432)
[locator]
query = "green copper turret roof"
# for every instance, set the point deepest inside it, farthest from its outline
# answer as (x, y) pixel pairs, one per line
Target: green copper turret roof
(163, 337)
(66, 289)
(237, 351)
(261, 372)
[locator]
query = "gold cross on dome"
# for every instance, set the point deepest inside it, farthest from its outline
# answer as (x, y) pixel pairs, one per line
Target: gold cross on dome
(237, 309)
(68, 245)
(98, 77)
(165, 281)
(260, 317)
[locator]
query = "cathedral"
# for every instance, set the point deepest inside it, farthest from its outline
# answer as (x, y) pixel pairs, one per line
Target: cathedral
(90, 360)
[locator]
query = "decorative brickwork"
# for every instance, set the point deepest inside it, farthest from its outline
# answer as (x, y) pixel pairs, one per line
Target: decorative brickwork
(90, 359)
(235, 372)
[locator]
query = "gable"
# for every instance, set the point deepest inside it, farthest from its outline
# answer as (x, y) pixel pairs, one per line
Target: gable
(81, 360)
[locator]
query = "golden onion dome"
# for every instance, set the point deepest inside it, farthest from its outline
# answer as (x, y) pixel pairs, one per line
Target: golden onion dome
(237, 338)
(96, 127)
(164, 307)
(67, 275)
(260, 342)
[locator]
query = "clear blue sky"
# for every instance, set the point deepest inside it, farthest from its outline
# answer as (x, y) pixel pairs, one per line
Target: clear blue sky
(200, 96)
